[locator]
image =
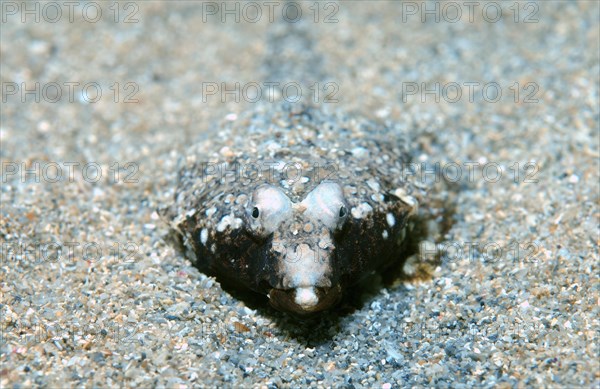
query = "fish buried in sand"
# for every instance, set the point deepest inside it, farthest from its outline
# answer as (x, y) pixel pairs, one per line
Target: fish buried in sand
(295, 203)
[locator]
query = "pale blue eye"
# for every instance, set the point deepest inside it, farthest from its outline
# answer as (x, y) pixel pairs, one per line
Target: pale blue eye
(327, 204)
(268, 208)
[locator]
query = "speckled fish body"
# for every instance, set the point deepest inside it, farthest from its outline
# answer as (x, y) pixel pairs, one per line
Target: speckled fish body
(295, 203)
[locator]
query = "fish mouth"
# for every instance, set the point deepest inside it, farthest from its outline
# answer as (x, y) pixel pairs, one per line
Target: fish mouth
(304, 301)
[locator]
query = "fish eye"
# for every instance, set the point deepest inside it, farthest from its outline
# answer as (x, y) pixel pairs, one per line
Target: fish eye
(267, 209)
(327, 204)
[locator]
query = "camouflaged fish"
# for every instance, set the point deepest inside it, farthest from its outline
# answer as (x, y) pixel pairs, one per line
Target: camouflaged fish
(295, 203)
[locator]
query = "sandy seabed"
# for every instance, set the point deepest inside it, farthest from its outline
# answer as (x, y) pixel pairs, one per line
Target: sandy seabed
(97, 110)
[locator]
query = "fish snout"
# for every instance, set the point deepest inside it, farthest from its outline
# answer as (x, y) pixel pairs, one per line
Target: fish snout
(305, 300)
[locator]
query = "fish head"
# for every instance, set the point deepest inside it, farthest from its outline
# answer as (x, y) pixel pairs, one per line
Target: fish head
(302, 239)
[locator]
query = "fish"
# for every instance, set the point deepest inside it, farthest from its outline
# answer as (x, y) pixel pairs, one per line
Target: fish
(296, 202)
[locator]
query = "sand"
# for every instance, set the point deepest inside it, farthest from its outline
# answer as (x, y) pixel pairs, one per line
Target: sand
(93, 296)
